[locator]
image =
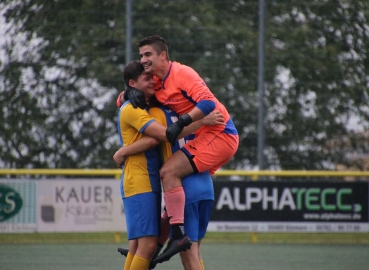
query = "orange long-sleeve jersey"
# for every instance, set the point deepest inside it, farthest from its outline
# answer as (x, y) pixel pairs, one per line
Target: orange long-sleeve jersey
(182, 89)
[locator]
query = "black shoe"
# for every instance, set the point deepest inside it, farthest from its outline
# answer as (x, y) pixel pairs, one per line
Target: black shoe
(123, 251)
(152, 265)
(174, 246)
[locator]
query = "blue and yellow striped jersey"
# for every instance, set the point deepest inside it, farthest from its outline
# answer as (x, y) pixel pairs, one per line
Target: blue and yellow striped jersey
(140, 171)
(166, 117)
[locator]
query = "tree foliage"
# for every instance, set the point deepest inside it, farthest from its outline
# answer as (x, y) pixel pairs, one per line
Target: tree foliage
(64, 60)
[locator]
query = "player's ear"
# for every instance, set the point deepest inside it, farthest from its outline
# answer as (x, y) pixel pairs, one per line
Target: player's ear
(163, 55)
(131, 83)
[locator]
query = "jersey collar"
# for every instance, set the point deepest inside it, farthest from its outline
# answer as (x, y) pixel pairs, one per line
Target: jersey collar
(166, 76)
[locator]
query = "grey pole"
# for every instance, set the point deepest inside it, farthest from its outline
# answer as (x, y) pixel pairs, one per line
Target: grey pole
(261, 57)
(128, 31)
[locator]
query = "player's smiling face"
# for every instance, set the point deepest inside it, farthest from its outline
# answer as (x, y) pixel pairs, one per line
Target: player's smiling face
(145, 83)
(149, 59)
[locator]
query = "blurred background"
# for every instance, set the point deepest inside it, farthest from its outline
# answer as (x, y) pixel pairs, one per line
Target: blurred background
(294, 79)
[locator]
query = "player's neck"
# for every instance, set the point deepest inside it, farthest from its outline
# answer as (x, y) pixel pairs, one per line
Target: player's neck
(164, 70)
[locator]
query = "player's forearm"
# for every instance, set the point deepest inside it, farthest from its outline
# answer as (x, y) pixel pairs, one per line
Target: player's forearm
(203, 107)
(190, 129)
(196, 114)
(213, 118)
(142, 145)
(156, 131)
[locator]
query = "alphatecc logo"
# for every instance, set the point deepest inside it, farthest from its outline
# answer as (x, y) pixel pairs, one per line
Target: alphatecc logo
(10, 202)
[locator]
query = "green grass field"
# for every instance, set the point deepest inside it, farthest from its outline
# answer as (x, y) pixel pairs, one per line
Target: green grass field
(211, 237)
(220, 251)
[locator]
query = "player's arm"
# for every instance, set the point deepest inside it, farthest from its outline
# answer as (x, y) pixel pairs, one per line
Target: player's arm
(197, 90)
(158, 131)
(120, 99)
(213, 118)
(138, 119)
(202, 109)
(197, 113)
(142, 145)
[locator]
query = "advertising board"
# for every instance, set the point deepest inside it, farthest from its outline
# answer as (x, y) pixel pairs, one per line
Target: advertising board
(18, 206)
(289, 206)
(80, 206)
(95, 205)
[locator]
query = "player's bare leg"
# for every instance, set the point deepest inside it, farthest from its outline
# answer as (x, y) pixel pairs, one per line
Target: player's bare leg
(129, 253)
(174, 169)
(190, 258)
(144, 253)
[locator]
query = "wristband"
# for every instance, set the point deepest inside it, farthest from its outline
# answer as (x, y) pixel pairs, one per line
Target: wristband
(184, 120)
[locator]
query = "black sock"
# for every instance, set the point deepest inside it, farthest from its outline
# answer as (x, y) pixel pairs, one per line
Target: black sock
(177, 231)
(157, 251)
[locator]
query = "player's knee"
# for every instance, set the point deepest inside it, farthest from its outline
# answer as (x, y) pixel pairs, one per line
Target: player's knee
(169, 180)
(148, 249)
(152, 247)
(166, 174)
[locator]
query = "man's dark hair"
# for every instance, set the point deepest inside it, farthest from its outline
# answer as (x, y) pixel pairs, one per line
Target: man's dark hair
(132, 71)
(158, 43)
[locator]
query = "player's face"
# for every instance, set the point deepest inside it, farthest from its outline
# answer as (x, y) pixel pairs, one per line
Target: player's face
(145, 83)
(150, 59)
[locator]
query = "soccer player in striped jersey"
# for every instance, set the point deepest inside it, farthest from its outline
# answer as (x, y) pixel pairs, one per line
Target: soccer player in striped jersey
(140, 183)
(198, 189)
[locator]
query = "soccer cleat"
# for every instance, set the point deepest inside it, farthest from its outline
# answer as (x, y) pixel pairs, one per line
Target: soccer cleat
(152, 265)
(174, 246)
(123, 251)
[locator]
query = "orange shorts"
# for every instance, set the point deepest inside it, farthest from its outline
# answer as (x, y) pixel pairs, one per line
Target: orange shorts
(209, 151)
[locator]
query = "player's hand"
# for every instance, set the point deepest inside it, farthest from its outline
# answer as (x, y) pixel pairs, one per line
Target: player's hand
(119, 158)
(120, 99)
(213, 118)
(153, 102)
(172, 133)
(176, 128)
(136, 97)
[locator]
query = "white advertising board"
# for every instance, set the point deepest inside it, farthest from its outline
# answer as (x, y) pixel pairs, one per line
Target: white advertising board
(288, 227)
(80, 206)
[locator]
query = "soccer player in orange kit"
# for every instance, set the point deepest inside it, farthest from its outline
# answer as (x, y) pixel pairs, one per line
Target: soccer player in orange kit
(180, 88)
